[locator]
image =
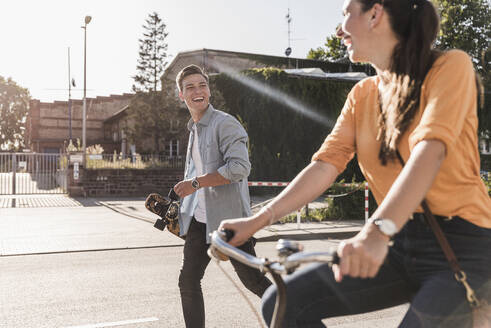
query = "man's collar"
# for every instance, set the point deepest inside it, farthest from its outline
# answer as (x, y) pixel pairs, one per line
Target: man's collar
(205, 119)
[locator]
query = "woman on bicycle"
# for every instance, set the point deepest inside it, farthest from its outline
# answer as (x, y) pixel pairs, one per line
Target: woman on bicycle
(423, 105)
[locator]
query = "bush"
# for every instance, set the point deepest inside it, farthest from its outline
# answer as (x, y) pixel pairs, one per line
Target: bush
(349, 207)
(287, 118)
(487, 182)
(486, 162)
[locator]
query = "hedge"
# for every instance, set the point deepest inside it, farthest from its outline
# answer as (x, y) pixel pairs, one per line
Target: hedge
(282, 140)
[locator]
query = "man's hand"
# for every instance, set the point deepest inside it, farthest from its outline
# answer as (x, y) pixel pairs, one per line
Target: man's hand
(362, 255)
(184, 188)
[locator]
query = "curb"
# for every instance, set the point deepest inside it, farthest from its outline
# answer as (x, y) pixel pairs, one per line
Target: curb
(343, 234)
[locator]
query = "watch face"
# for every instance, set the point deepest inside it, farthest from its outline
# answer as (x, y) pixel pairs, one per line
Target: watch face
(195, 184)
(387, 226)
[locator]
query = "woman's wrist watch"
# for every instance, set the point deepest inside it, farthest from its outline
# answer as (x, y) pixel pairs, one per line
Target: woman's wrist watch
(195, 183)
(385, 226)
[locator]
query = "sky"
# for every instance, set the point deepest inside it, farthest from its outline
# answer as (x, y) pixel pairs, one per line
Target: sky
(35, 37)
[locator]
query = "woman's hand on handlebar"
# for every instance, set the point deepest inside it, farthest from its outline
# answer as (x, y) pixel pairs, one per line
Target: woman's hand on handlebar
(362, 255)
(243, 229)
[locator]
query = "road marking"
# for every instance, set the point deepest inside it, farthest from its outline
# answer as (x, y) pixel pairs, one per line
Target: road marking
(116, 323)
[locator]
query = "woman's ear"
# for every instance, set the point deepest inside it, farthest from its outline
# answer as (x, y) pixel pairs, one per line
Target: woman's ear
(376, 12)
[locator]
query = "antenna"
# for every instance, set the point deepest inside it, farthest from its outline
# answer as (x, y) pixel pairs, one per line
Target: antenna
(288, 17)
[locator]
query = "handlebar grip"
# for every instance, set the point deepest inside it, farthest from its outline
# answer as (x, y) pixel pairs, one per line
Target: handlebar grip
(229, 234)
(335, 258)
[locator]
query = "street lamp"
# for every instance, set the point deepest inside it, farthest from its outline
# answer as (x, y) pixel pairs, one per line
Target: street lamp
(84, 111)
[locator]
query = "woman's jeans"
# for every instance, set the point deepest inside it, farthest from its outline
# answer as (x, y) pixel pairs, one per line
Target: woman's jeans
(193, 268)
(415, 271)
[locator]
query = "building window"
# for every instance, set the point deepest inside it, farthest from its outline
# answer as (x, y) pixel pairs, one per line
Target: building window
(173, 148)
(174, 125)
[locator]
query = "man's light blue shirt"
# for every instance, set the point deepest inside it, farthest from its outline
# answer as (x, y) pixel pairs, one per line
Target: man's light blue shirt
(223, 149)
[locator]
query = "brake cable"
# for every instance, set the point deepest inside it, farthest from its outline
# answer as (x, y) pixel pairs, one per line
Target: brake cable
(241, 292)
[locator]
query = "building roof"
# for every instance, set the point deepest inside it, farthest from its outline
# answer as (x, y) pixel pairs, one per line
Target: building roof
(320, 74)
(218, 61)
(117, 115)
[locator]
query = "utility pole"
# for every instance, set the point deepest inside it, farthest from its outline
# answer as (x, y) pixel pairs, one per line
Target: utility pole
(288, 50)
(84, 111)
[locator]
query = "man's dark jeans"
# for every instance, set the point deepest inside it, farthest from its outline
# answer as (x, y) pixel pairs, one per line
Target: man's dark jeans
(415, 271)
(193, 268)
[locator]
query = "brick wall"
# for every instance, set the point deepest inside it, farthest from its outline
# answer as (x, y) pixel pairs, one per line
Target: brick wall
(49, 122)
(127, 182)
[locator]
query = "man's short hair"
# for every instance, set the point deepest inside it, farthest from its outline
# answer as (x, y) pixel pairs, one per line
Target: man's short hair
(189, 70)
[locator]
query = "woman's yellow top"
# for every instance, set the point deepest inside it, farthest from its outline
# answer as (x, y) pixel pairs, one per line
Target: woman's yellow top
(448, 112)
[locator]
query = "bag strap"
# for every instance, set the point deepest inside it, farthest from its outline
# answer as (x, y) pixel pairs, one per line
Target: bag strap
(459, 274)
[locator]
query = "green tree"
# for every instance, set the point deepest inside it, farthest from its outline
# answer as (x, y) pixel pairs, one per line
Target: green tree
(14, 105)
(152, 54)
(333, 50)
(153, 118)
(466, 25)
(154, 111)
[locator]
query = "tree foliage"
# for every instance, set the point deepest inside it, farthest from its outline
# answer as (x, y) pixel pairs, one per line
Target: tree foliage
(333, 50)
(154, 117)
(153, 113)
(152, 54)
(466, 25)
(14, 105)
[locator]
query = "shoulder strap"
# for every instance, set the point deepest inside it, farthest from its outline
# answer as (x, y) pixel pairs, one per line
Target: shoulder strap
(446, 248)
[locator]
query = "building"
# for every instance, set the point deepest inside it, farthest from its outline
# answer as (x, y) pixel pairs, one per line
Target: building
(48, 123)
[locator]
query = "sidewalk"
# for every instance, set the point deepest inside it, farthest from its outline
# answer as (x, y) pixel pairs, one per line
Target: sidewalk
(303, 231)
(55, 224)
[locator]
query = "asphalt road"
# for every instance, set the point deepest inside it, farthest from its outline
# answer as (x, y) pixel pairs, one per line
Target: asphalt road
(133, 288)
(89, 266)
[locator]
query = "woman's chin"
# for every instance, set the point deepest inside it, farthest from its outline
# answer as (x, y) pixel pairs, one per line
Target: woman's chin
(356, 58)
(352, 57)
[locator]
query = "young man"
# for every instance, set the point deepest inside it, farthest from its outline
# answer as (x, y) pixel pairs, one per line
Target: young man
(214, 188)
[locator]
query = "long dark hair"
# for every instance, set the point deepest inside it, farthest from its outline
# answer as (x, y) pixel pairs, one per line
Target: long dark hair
(416, 25)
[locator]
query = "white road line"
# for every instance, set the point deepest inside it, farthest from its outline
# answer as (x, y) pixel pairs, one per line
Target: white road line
(116, 323)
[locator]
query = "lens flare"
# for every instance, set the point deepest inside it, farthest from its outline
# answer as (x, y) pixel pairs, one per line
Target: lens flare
(275, 94)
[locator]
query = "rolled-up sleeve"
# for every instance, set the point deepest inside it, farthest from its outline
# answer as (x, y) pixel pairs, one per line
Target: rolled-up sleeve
(233, 145)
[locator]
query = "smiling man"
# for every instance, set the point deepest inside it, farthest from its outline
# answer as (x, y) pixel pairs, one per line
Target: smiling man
(214, 188)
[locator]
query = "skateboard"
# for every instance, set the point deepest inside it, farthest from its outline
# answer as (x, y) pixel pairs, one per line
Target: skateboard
(167, 207)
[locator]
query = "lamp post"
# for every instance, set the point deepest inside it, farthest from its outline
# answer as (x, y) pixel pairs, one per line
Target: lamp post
(84, 110)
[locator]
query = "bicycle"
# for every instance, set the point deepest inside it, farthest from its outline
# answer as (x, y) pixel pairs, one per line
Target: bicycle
(290, 257)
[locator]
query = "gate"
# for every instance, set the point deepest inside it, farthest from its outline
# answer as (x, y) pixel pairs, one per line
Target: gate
(25, 174)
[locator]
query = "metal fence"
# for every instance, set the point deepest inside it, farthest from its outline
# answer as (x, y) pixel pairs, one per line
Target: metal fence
(108, 161)
(22, 174)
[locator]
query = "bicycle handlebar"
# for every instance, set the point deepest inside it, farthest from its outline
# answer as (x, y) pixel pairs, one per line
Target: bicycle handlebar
(286, 264)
